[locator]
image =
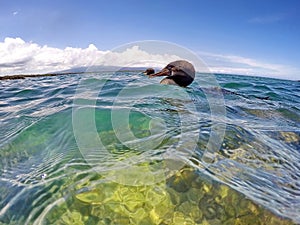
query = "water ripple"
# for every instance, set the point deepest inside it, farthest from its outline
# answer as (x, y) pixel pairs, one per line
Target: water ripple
(44, 176)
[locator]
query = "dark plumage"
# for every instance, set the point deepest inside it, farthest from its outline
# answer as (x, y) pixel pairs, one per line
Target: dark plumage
(149, 71)
(179, 72)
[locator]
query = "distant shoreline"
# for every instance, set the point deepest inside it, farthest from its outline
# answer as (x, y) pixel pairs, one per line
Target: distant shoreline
(24, 76)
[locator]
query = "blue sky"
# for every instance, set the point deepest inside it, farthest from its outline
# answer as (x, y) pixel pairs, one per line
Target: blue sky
(255, 33)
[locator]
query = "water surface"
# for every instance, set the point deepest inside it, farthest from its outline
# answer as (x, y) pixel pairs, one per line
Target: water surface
(49, 176)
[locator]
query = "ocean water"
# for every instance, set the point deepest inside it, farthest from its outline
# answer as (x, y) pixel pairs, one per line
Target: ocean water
(118, 148)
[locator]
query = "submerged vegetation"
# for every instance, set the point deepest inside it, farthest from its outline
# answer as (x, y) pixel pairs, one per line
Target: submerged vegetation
(45, 178)
(185, 198)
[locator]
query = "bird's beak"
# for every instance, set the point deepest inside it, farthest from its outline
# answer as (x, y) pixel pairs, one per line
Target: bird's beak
(163, 72)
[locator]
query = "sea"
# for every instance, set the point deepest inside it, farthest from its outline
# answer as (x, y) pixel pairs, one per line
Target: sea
(119, 148)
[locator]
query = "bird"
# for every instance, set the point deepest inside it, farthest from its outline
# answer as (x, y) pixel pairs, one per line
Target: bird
(149, 71)
(180, 72)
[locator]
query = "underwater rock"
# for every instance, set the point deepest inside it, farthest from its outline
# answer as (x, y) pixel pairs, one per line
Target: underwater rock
(290, 137)
(72, 218)
(178, 184)
(187, 197)
(182, 180)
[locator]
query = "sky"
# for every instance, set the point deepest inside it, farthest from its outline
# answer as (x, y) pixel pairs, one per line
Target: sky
(257, 37)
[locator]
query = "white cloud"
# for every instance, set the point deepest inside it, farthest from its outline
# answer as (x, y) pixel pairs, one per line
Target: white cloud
(20, 57)
(219, 63)
(267, 18)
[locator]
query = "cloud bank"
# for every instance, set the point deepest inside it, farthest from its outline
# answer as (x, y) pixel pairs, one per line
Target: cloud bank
(20, 57)
(232, 64)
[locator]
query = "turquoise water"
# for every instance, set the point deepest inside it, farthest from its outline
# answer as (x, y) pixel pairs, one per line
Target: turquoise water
(53, 169)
